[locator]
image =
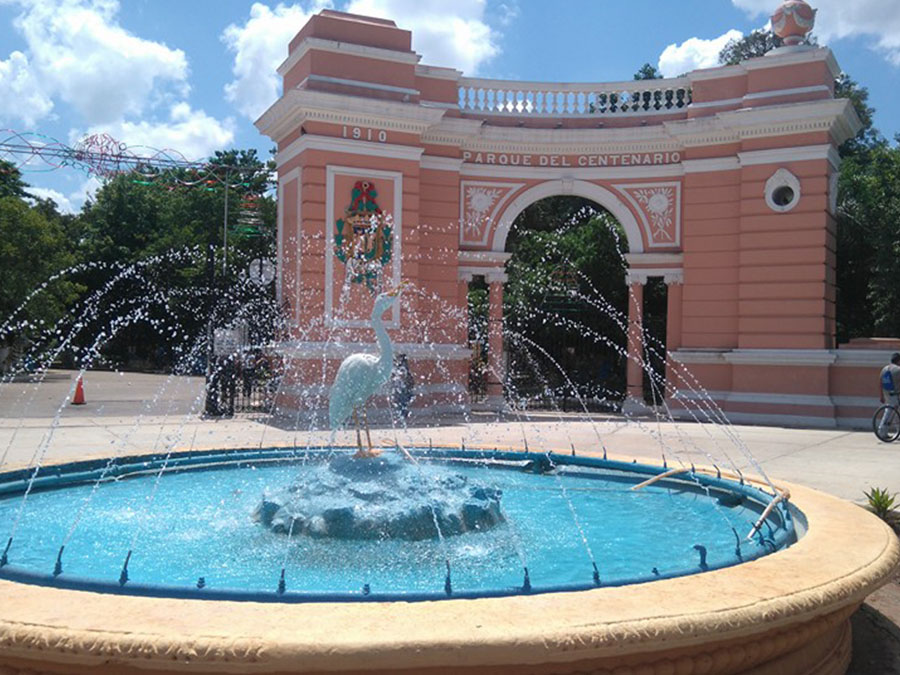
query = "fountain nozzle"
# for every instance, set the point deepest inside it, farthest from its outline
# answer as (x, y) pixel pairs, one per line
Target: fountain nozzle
(4, 560)
(702, 551)
(448, 587)
(57, 569)
(123, 577)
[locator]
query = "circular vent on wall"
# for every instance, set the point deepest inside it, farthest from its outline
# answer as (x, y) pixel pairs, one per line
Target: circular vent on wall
(782, 191)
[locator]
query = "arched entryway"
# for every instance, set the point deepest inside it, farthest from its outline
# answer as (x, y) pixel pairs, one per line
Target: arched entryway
(641, 317)
(565, 306)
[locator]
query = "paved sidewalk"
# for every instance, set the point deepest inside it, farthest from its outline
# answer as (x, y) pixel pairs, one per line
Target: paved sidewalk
(134, 413)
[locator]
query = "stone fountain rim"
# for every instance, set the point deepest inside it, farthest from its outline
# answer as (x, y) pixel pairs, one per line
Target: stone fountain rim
(845, 554)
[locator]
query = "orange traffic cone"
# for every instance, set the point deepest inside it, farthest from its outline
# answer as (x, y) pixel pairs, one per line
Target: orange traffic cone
(79, 393)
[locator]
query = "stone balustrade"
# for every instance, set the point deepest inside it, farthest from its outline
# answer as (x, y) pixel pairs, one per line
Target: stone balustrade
(554, 99)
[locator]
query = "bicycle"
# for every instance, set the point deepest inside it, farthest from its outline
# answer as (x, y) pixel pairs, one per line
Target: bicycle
(886, 423)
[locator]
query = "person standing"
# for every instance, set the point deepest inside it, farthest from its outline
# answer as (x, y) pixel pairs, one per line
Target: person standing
(890, 380)
(402, 387)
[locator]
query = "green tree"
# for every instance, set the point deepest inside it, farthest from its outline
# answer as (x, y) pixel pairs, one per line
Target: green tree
(565, 252)
(33, 248)
(177, 220)
(647, 72)
(869, 243)
(757, 43)
(11, 183)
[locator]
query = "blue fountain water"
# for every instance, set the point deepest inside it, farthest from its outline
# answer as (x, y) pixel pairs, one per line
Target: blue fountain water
(201, 525)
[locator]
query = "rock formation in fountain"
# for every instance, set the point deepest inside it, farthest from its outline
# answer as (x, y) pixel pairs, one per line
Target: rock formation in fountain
(384, 497)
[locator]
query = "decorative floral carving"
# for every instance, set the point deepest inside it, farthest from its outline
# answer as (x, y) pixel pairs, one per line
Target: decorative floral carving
(479, 201)
(659, 206)
(479, 205)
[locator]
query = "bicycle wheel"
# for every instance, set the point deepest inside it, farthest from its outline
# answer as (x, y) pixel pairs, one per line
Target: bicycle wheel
(886, 423)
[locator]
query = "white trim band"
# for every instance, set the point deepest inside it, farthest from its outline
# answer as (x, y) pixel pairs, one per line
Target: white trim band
(437, 163)
(327, 79)
(424, 352)
(785, 155)
(787, 92)
(348, 146)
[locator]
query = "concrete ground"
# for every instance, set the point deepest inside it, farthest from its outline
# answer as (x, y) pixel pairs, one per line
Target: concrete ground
(138, 413)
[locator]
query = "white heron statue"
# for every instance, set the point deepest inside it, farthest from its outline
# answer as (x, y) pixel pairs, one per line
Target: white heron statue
(361, 375)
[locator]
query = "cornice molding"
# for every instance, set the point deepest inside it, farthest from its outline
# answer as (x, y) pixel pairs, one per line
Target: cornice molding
(437, 163)
(351, 147)
(359, 84)
(298, 106)
(438, 72)
(484, 257)
(778, 58)
(780, 357)
(774, 59)
(670, 260)
(644, 274)
(297, 349)
(336, 47)
(833, 115)
(730, 163)
(784, 155)
(491, 274)
(452, 131)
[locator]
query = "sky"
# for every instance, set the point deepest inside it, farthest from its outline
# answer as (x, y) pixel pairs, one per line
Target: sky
(193, 75)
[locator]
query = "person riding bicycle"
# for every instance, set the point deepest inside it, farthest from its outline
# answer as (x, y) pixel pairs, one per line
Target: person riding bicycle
(890, 380)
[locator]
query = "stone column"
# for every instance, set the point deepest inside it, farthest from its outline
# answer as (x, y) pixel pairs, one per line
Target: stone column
(496, 368)
(463, 300)
(674, 281)
(634, 396)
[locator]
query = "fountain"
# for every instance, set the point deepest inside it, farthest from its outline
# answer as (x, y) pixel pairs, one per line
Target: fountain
(277, 545)
(552, 560)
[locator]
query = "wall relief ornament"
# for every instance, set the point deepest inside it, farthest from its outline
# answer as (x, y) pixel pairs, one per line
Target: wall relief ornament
(658, 206)
(480, 203)
(363, 236)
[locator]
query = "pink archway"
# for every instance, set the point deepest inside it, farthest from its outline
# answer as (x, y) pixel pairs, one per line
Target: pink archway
(724, 181)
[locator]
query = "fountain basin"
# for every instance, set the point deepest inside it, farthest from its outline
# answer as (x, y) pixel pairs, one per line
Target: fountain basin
(785, 612)
(573, 521)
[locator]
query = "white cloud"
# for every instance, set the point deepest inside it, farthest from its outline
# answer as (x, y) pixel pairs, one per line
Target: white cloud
(80, 54)
(836, 19)
(72, 202)
(131, 88)
(21, 95)
(85, 191)
(694, 53)
(509, 12)
(445, 34)
(62, 202)
(192, 133)
(454, 35)
(259, 47)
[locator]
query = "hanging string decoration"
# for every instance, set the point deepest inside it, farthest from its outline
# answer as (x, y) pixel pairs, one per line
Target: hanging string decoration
(102, 156)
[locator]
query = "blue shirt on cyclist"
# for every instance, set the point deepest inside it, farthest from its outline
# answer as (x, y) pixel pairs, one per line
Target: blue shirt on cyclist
(890, 379)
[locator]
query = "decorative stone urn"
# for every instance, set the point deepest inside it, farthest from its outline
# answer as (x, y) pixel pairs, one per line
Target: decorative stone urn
(793, 21)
